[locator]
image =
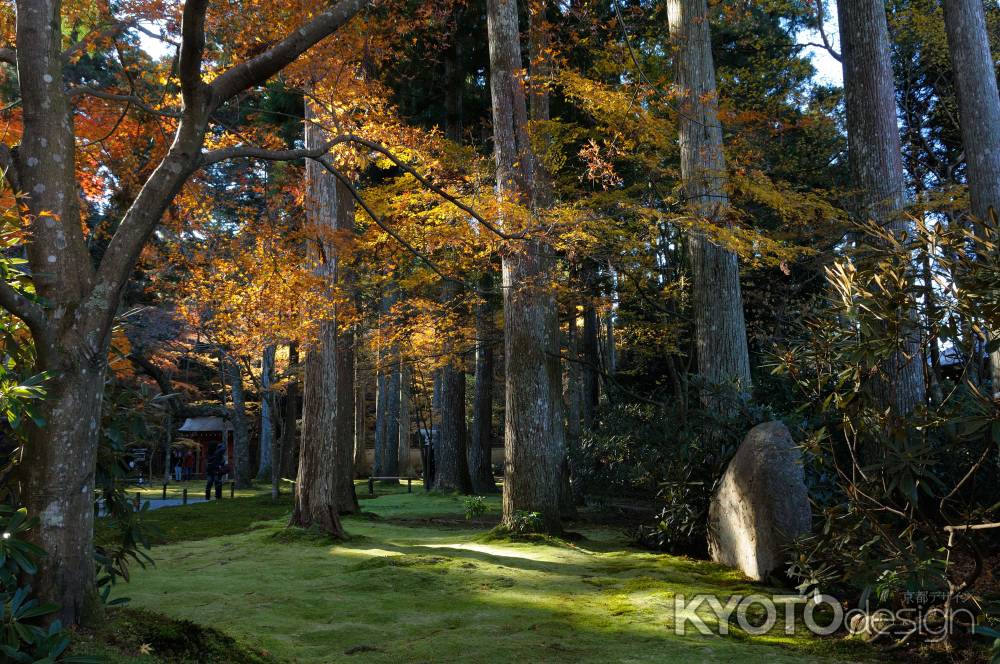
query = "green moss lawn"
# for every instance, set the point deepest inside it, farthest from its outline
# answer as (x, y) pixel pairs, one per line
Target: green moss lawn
(417, 583)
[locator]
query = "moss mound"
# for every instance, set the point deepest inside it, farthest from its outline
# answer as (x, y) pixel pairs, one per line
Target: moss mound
(503, 534)
(136, 635)
(291, 534)
(407, 560)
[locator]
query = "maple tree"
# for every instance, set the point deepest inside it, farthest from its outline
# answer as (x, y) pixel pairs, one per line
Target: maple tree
(72, 313)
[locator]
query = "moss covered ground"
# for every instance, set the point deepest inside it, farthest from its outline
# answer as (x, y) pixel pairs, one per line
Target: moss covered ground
(417, 583)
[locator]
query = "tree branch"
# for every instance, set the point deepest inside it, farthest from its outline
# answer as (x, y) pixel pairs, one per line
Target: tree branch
(149, 33)
(128, 98)
(30, 312)
(185, 155)
(253, 152)
(436, 189)
(244, 152)
(157, 374)
(192, 49)
(111, 31)
(8, 166)
(821, 27)
(324, 161)
(258, 69)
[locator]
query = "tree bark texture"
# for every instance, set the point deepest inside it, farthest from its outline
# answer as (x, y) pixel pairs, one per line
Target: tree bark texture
(360, 415)
(573, 400)
(386, 462)
(266, 413)
(572, 393)
(404, 420)
(589, 369)
(325, 483)
(533, 433)
(875, 156)
(450, 450)
(241, 431)
(450, 457)
(979, 109)
(387, 418)
(290, 428)
(480, 444)
(720, 330)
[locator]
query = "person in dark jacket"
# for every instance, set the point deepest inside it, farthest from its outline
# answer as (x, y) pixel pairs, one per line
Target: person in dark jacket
(215, 468)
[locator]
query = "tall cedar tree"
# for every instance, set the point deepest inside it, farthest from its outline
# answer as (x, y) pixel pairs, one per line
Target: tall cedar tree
(534, 438)
(718, 305)
(979, 110)
(325, 484)
(875, 155)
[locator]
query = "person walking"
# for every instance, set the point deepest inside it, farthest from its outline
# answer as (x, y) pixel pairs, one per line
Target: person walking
(214, 470)
(178, 460)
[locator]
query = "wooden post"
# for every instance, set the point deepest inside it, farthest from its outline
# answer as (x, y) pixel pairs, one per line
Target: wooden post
(409, 485)
(164, 491)
(184, 497)
(138, 501)
(232, 489)
(371, 486)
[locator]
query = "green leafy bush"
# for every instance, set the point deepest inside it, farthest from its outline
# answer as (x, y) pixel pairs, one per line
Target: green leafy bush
(24, 636)
(475, 506)
(526, 523)
(886, 483)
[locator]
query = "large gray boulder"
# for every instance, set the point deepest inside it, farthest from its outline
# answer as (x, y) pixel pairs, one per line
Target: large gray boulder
(760, 504)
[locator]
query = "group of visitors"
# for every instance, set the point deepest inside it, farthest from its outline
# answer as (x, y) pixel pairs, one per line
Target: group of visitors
(183, 465)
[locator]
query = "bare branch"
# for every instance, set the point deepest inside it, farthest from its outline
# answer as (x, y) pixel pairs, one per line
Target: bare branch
(114, 30)
(262, 67)
(157, 374)
(149, 33)
(127, 98)
(493, 228)
(821, 27)
(253, 152)
(325, 162)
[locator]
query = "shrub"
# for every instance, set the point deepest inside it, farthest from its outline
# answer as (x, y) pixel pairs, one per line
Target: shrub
(24, 636)
(885, 483)
(475, 507)
(526, 523)
(128, 632)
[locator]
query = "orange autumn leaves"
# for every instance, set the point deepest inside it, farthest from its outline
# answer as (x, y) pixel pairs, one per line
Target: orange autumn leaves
(260, 292)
